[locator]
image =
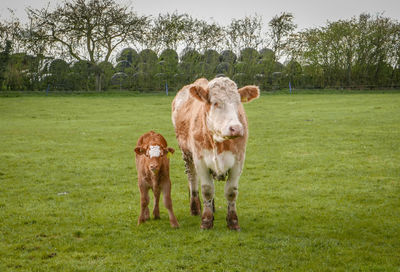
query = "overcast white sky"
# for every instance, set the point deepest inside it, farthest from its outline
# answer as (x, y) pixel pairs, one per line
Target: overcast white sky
(307, 13)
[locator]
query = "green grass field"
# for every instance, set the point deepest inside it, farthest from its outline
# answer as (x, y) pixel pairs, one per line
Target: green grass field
(320, 189)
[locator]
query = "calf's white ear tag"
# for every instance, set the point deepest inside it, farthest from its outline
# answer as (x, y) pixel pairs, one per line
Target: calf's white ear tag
(154, 151)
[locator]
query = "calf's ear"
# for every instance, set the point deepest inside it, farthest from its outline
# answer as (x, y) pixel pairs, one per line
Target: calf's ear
(170, 150)
(248, 93)
(199, 93)
(140, 150)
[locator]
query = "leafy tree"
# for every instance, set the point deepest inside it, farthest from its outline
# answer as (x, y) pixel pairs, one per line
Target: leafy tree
(267, 54)
(107, 71)
(129, 55)
(293, 71)
(148, 56)
(83, 75)
(211, 57)
(249, 55)
(266, 65)
(4, 58)
(169, 55)
(190, 55)
(224, 69)
(168, 66)
(16, 75)
(356, 52)
(228, 56)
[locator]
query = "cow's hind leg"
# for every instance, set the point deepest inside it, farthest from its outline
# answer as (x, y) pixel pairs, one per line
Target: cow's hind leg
(195, 206)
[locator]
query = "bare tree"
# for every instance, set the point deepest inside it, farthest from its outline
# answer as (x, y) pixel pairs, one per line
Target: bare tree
(10, 30)
(282, 27)
(88, 29)
(244, 33)
(166, 32)
(209, 35)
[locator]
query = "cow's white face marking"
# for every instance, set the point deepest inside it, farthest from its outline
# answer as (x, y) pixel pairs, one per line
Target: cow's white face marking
(223, 114)
(154, 151)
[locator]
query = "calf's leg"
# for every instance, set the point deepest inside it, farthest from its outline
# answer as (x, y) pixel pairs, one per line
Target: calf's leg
(168, 204)
(144, 202)
(156, 209)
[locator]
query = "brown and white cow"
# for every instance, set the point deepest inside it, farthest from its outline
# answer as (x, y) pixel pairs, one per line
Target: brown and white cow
(211, 129)
(152, 164)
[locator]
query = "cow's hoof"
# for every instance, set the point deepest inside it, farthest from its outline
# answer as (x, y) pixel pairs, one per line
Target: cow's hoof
(194, 212)
(207, 220)
(234, 227)
(195, 207)
(207, 224)
(232, 221)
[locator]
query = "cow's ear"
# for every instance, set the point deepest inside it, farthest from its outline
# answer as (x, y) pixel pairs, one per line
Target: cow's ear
(248, 93)
(140, 150)
(199, 93)
(171, 150)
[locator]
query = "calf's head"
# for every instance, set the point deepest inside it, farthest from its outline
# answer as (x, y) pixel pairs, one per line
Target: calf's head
(223, 99)
(155, 150)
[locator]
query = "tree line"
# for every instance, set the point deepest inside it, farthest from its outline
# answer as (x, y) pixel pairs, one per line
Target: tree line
(101, 45)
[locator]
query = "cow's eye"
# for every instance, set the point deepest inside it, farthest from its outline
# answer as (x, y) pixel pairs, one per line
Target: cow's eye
(216, 105)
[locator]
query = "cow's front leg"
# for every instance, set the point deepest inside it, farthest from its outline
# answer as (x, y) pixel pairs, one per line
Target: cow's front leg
(231, 193)
(207, 190)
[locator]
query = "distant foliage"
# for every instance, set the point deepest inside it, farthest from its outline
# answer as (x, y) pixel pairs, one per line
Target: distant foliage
(99, 45)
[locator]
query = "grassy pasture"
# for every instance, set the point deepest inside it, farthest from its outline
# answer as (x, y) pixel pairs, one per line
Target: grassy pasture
(320, 190)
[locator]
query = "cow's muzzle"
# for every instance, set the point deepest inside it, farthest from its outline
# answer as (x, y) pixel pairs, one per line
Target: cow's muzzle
(235, 131)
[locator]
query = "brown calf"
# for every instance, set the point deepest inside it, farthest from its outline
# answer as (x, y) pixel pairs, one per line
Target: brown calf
(152, 166)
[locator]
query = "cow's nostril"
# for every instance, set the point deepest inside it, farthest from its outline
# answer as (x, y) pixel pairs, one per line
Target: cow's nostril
(235, 130)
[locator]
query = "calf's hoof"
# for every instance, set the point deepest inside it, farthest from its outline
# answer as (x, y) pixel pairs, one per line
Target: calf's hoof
(156, 214)
(174, 225)
(232, 221)
(141, 220)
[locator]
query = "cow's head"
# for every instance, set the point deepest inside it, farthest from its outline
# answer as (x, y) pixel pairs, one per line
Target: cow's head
(155, 149)
(223, 99)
